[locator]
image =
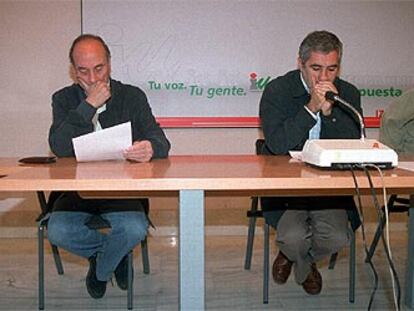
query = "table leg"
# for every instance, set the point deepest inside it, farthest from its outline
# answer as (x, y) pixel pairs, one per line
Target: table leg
(191, 250)
(409, 278)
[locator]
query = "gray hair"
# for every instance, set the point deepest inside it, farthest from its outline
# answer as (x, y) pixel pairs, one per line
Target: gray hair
(320, 41)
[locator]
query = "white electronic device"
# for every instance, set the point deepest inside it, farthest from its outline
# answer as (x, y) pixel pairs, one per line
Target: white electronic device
(339, 153)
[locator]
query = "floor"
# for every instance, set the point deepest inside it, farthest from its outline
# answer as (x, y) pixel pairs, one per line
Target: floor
(228, 285)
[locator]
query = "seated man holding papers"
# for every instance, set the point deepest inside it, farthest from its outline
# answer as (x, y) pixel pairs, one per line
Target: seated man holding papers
(97, 102)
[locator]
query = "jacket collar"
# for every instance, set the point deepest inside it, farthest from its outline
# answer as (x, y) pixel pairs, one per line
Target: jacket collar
(298, 87)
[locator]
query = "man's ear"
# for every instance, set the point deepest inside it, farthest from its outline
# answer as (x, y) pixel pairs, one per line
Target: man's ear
(299, 63)
(109, 67)
(72, 74)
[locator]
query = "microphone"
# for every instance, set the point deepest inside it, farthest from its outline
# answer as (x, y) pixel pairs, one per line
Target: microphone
(331, 96)
(335, 97)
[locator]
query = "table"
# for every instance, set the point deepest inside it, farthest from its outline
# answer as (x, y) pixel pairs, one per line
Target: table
(194, 177)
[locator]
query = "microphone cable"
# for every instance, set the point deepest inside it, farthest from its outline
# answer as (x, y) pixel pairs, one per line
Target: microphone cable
(385, 240)
(364, 240)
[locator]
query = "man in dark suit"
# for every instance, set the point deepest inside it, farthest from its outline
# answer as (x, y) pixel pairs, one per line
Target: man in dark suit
(293, 108)
(93, 102)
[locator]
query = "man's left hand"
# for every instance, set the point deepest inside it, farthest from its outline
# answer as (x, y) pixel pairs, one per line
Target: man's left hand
(140, 151)
(320, 90)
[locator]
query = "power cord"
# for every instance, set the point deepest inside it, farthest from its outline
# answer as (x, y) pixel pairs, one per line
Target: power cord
(364, 240)
(385, 240)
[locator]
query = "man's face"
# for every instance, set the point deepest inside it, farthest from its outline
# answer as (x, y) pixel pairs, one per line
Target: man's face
(319, 67)
(91, 63)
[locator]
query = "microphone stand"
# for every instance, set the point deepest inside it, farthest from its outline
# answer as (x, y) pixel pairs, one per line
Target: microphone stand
(335, 97)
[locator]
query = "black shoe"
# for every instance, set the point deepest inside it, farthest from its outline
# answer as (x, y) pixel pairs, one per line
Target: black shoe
(121, 273)
(96, 288)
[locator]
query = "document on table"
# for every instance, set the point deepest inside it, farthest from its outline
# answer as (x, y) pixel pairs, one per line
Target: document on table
(106, 144)
(296, 155)
(409, 166)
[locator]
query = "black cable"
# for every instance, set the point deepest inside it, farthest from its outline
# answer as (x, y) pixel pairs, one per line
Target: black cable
(387, 252)
(386, 248)
(361, 216)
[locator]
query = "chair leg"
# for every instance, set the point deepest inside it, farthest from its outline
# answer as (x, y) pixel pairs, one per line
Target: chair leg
(352, 267)
(332, 261)
(58, 261)
(145, 257)
(250, 234)
(266, 264)
(130, 280)
(42, 201)
(376, 238)
(41, 266)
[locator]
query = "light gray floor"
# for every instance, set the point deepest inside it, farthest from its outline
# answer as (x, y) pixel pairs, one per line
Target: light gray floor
(228, 285)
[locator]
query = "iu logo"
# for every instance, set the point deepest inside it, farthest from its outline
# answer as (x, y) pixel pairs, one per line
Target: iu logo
(258, 84)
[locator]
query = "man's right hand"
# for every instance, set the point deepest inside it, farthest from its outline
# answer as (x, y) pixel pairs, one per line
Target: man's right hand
(318, 101)
(97, 94)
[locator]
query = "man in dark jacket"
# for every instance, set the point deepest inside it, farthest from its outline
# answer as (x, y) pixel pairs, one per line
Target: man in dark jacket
(95, 102)
(293, 108)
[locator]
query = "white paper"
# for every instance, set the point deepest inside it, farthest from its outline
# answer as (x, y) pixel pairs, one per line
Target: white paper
(297, 155)
(409, 166)
(106, 144)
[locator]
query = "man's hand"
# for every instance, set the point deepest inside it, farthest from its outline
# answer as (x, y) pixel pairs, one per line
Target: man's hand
(318, 101)
(140, 151)
(97, 94)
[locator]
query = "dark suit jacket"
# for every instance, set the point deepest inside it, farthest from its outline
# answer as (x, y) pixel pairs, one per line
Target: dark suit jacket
(72, 117)
(286, 124)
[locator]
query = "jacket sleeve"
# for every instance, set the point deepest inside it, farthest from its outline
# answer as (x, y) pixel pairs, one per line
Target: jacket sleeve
(397, 124)
(145, 127)
(69, 120)
(285, 124)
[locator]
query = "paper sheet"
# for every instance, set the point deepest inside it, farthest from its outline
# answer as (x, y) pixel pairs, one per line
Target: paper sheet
(296, 155)
(106, 144)
(406, 165)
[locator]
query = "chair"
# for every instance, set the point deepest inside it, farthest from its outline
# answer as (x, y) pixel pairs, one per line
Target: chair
(395, 205)
(96, 223)
(254, 213)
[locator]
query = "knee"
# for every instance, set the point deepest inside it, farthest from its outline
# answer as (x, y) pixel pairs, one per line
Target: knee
(135, 230)
(335, 241)
(293, 239)
(341, 239)
(136, 233)
(57, 231)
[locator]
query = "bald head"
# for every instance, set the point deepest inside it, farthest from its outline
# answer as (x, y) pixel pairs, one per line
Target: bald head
(91, 60)
(85, 40)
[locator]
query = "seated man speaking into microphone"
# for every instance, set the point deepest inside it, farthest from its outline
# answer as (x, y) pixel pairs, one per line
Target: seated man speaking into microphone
(293, 109)
(93, 102)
